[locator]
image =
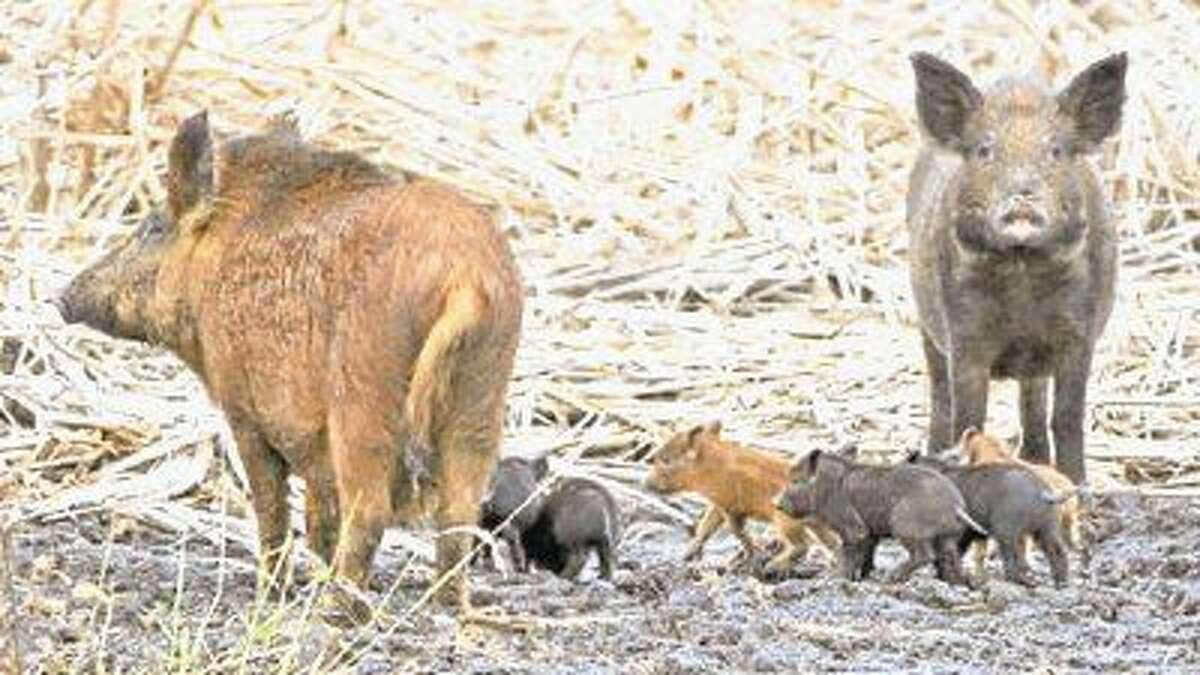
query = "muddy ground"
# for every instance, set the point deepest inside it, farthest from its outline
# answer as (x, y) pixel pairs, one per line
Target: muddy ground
(181, 605)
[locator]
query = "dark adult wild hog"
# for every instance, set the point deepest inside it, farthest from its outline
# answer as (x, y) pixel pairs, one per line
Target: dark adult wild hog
(357, 330)
(1013, 254)
(739, 484)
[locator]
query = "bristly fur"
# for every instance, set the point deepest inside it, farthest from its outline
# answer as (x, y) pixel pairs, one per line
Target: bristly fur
(358, 330)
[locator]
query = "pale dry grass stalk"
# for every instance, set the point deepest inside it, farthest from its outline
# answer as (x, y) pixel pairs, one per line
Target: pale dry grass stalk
(12, 626)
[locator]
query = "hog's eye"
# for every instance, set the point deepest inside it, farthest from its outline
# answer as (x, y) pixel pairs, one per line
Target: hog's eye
(1057, 151)
(983, 151)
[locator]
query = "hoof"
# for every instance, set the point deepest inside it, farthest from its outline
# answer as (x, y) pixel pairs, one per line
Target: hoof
(344, 606)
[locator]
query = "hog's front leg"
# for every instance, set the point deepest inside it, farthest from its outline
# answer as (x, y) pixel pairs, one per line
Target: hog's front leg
(1070, 403)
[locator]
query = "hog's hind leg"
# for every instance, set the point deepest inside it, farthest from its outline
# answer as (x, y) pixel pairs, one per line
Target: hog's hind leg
(267, 472)
(321, 516)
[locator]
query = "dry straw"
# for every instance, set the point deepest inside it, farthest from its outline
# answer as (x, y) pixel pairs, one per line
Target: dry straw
(706, 200)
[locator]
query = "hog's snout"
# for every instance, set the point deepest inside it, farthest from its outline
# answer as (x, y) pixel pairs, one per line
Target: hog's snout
(649, 483)
(1021, 218)
(62, 301)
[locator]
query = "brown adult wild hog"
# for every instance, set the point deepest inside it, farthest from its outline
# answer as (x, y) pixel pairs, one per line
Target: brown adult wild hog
(356, 329)
(739, 484)
(863, 504)
(1013, 255)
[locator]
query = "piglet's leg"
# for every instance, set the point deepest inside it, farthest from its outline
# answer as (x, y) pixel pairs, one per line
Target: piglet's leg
(576, 559)
(607, 560)
(737, 525)
(793, 534)
(920, 553)
(712, 519)
(854, 558)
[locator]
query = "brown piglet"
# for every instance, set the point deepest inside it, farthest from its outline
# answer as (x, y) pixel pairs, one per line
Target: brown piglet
(1013, 253)
(740, 484)
(357, 329)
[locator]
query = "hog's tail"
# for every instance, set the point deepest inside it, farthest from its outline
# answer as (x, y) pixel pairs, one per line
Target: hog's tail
(966, 518)
(433, 371)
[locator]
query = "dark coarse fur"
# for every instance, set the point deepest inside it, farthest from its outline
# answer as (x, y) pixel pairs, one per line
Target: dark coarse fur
(1010, 502)
(578, 516)
(511, 503)
(863, 504)
(357, 330)
(1013, 254)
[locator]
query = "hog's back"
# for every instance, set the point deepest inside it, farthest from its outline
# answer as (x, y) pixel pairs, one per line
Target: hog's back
(320, 300)
(877, 493)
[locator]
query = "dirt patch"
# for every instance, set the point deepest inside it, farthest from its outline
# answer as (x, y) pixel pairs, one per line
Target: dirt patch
(92, 592)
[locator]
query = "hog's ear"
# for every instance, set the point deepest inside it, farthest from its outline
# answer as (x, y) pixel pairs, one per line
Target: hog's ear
(189, 166)
(812, 461)
(713, 428)
(693, 436)
(946, 99)
(1092, 102)
(541, 467)
(968, 434)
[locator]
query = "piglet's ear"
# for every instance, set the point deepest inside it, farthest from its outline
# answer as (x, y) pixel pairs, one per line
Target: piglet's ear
(968, 434)
(1092, 102)
(694, 434)
(541, 467)
(189, 166)
(946, 99)
(714, 428)
(813, 460)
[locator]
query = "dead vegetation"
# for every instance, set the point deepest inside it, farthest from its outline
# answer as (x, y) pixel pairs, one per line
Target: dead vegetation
(706, 201)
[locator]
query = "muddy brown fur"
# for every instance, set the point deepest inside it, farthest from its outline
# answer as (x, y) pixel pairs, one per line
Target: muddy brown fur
(357, 329)
(578, 517)
(1013, 255)
(740, 484)
(1011, 503)
(512, 505)
(982, 448)
(864, 504)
